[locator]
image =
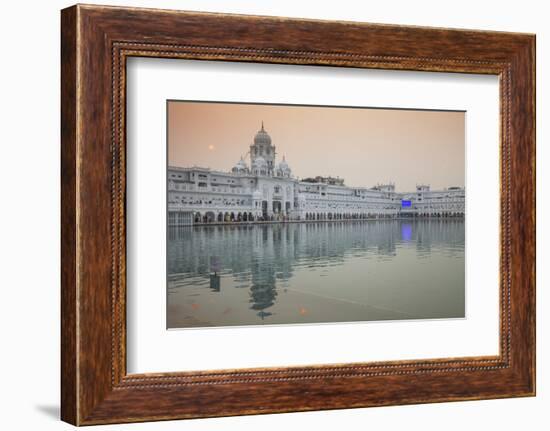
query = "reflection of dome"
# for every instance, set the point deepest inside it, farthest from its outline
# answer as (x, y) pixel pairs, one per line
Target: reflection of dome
(262, 137)
(259, 162)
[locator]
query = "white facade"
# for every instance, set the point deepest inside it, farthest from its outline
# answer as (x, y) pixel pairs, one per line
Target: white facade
(266, 191)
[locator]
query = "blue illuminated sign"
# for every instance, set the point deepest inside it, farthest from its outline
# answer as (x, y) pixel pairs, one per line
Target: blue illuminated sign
(405, 204)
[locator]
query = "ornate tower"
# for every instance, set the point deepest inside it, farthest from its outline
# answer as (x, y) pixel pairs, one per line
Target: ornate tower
(262, 150)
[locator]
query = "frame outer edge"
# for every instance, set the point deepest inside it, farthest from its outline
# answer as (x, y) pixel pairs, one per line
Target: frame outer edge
(69, 196)
(532, 82)
(87, 397)
(529, 62)
(533, 54)
(523, 216)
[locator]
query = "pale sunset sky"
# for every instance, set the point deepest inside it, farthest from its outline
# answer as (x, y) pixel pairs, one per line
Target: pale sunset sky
(365, 146)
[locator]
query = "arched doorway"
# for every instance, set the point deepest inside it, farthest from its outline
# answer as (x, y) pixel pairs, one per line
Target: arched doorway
(210, 217)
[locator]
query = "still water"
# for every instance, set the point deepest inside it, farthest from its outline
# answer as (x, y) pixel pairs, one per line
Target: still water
(315, 272)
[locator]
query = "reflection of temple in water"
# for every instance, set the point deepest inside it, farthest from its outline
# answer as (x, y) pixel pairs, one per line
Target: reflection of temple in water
(261, 258)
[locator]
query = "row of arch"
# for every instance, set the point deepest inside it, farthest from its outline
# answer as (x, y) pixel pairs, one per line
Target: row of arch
(235, 217)
(212, 217)
(439, 214)
(346, 216)
(364, 216)
(227, 217)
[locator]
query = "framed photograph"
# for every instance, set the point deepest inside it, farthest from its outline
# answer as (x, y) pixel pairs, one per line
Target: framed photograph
(263, 214)
(255, 243)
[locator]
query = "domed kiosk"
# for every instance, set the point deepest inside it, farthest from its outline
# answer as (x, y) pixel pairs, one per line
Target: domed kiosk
(283, 170)
(240, 167)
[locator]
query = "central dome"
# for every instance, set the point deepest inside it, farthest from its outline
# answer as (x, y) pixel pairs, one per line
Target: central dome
(262, 137)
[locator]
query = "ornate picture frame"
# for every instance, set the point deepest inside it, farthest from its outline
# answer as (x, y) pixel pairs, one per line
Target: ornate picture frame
(96, 41)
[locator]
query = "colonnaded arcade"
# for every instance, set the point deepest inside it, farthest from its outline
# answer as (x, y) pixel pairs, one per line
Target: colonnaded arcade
(265, 191)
